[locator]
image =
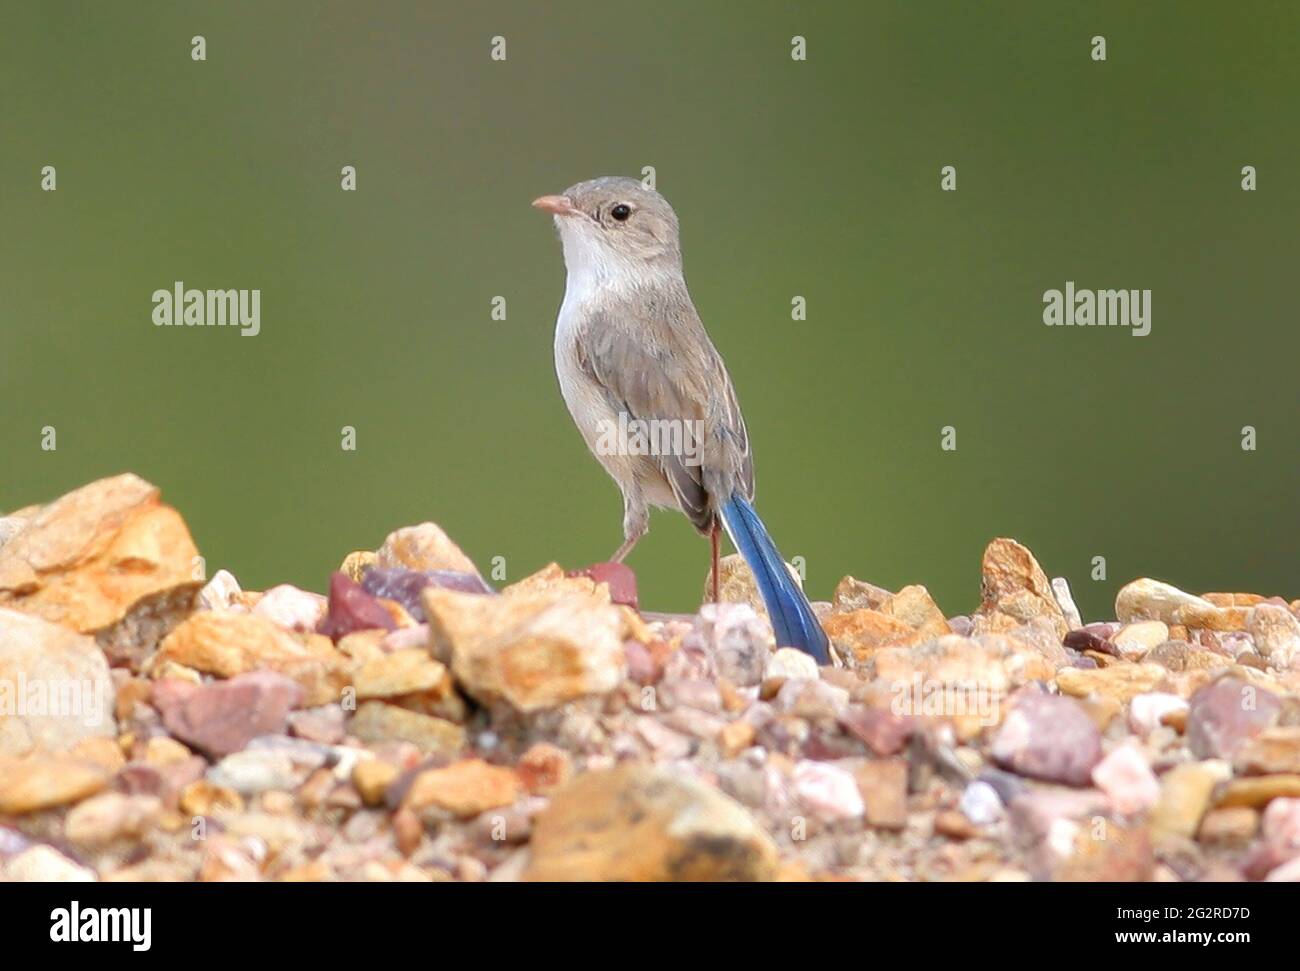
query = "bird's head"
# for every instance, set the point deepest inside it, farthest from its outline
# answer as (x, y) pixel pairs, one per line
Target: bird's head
(615, 225)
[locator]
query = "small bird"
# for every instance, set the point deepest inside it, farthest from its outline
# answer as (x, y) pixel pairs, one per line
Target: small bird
(636, 367)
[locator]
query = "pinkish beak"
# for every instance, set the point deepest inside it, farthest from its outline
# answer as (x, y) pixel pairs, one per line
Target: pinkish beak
(556, 205)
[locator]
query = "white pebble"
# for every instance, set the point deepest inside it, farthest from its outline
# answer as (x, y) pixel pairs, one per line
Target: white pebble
(980, 804)
(827, 790)
(220, 592)
(790, 662)
(291, 608)
(44, 864)
(1146, 711)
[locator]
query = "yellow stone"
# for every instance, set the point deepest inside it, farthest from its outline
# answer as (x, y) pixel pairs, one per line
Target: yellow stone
(204, 798)
(355, 563)
(35, 783)
(400, 673)
(161, 750)
(1260, 790)
(1122, 682)
(372, 778)
(1185, 792)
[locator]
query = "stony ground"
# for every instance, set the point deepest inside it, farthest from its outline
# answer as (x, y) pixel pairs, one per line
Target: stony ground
(417, 725)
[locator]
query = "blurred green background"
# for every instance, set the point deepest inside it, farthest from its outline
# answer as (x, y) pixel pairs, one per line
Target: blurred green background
(818, 178)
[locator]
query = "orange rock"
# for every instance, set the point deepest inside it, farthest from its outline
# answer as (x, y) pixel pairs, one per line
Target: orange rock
(408, 831)
(732, 700)
(954, 825)
(465, 788)
(736, 737)
(856, 635)
(317, 871)
(1124, 855)
(1212, 618)
(395, 610)
(1233, 599)
(854, 594)
(554, 579)
(35, 783)
(642, 823)
(372, 778)
(914, 606)
(1259, 790)
(1121, 682)
(104, 752)
(423, 547)
(86, 559)
(883, 784)
(534, 648)
(544, 767)
(1014, 584)
(227, 644)
(130, 692)
(403, 672)
(204, 798)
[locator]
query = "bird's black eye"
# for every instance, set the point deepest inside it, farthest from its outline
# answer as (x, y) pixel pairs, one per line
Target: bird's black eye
(621, 212)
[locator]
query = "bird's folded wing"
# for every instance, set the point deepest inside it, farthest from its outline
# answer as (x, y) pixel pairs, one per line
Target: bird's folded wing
(664, 367)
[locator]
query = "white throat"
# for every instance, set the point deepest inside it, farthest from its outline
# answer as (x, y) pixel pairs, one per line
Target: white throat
(595, 273)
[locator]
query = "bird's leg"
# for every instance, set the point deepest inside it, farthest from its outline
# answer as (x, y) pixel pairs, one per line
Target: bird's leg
(714, 537)
(625, 549)
(636, 523)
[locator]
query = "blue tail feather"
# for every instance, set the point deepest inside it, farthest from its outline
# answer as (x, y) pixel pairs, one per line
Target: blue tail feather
(793, 620)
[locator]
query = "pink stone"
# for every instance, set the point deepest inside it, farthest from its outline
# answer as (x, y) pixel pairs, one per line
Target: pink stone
(1225, 715)
(1281, 827)
(352, 609)
(664, 743)
(618, 576)
(405, 637)
(642, 667)
(1048, 737)
(1127, 779)
(223, 716)
(324, 724)
(1288, 872)
(883, 732)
